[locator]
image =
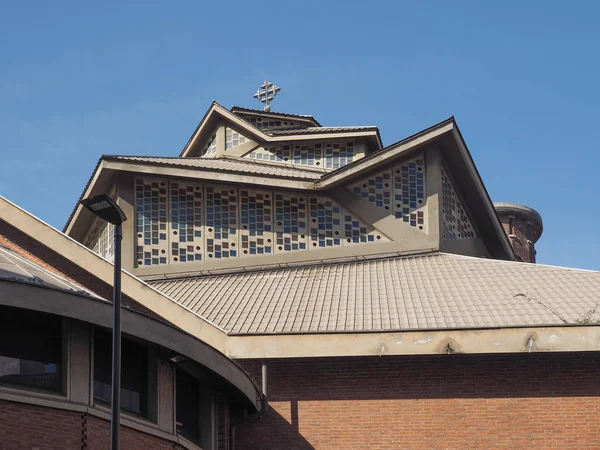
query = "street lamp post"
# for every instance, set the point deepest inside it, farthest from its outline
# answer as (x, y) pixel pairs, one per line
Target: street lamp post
(106, 209)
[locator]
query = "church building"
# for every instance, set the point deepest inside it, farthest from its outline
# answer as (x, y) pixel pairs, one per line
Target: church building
(294, 285)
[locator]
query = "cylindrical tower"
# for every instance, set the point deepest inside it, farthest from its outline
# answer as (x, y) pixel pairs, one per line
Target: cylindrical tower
(523, 226)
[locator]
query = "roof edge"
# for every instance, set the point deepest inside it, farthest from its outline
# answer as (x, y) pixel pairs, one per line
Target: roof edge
(453, 342)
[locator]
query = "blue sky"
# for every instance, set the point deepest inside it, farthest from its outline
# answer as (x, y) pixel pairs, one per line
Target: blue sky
(521, 78)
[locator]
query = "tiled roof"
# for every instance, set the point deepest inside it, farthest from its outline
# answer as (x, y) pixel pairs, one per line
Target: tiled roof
(237, 165)
(16, 267)
(314, 130)
(235, 109)
(431, 291)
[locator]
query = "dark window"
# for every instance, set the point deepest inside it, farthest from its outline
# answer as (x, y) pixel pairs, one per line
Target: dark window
(30, 348)
(511, 225)
(134, 372)
(187, 390)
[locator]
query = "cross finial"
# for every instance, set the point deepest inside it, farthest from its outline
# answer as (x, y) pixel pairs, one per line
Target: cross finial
(266, 93)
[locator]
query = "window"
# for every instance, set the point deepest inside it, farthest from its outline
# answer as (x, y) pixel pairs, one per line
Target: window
(30, 348)
(187, 391)
(511, 226)
(134, 372)
(193, 405)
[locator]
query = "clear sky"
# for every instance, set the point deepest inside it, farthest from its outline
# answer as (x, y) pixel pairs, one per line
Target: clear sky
(522, 79)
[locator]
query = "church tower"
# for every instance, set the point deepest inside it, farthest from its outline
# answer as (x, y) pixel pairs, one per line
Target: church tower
(523, 226)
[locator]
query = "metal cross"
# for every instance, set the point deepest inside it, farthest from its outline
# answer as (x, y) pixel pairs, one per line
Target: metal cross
(266, 93)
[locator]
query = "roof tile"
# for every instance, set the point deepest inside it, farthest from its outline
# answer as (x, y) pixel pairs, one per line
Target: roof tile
(432, 291)
(226, 164)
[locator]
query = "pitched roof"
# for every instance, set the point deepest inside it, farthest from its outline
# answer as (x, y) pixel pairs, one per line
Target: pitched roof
(260, 112)
(310, 130)
(229, 164)
(430, 291)
(316, 130)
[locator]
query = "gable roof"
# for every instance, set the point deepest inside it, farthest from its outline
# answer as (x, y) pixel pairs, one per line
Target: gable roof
(227, 164)
(445, 135)
(216, 113)
(432, 291)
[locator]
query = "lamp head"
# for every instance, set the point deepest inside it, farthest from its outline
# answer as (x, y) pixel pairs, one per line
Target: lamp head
(105, 208)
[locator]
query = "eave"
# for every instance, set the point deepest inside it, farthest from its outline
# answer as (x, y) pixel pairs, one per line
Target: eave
(534, 339)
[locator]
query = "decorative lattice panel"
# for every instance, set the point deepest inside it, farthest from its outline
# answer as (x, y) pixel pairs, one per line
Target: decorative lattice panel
(330, 155)
(325, 222)
(338, 154)
(178, 222)
(264, 154)
(186, 222)
(291, 228)
(233, 138)
(457, 224)
(151, 221)
(256, 220)
(211, 145)
(221, 222)
(101, 240)
(273, 124)
(400, 190)
(306, 154)
(409, 192)
(356, 231)
(377, 189)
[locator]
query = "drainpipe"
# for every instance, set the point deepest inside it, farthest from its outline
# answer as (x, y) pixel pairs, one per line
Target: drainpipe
(258, 414)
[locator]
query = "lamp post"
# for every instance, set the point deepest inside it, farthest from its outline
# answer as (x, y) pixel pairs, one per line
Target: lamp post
(105, 208)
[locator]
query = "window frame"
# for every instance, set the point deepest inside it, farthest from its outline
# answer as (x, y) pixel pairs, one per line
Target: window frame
(152, 400)
(61, 392)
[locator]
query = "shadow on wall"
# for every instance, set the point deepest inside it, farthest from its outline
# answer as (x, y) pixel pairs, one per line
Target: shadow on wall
(316, 402)
(277, 430)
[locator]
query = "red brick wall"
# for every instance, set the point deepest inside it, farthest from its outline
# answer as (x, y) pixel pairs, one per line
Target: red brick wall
(98, 437)
(26, 427)
(522, 243)
(450, 402)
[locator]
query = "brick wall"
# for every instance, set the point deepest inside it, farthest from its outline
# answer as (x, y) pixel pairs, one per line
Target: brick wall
(27, 427)
(451, 402)
(522, 244)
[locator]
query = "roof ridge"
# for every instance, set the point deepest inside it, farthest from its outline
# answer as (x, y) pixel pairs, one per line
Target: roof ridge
(301, 265)
(275, 113)
(525, 264)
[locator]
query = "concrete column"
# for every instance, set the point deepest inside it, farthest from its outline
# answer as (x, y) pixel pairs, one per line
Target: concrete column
(166, 390)
(79, 367)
